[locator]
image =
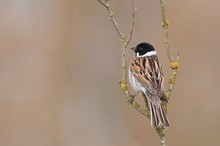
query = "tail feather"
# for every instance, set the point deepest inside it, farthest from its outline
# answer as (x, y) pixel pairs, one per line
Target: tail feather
(154, 117)
(158, 115)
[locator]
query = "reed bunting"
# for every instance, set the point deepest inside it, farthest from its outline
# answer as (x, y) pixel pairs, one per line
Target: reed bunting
(146, 77)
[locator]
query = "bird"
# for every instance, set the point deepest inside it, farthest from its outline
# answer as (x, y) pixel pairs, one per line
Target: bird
(146, 78)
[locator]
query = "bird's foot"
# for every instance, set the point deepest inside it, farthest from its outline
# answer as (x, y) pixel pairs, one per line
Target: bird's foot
(130, 101)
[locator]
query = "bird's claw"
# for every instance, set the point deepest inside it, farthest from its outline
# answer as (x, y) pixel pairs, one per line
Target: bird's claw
(131, 100)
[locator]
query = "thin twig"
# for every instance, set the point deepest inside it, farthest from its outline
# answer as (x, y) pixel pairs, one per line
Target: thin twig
(136, 105)
(113, 20)
(165, 24)
(124, 46)
(162, 131)
(103, 3)
(125, 42)
(132, 24)
(174, 64)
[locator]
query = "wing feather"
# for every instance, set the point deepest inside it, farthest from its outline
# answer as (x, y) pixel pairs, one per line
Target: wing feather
(149, 73)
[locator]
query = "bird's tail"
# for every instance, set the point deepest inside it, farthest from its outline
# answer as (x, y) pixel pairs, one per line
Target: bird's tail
(158, 115)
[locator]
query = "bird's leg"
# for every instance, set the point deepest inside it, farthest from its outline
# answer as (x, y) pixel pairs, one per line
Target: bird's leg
(132, 97)
(164, 99)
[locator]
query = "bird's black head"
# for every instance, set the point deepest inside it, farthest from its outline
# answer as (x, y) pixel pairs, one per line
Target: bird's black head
(143, 48)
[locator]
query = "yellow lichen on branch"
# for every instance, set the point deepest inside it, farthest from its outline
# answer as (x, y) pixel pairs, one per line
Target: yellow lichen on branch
(174, 62)
(125, 40)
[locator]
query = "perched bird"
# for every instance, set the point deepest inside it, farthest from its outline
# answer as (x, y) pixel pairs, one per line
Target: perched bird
(146, 77)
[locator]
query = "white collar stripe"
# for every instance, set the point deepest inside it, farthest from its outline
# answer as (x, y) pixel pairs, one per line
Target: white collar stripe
(151, 53)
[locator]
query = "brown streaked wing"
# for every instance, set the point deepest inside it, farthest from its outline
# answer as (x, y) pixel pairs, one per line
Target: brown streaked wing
(148, 72)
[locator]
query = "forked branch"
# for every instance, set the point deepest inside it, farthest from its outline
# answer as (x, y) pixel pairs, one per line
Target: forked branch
(125, 40)
(174, 61)
(174, 64)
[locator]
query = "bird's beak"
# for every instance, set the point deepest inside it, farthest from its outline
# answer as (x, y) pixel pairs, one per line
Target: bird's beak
(134, 48)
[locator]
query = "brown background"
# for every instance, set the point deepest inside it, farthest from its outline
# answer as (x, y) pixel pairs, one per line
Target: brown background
(60, 62)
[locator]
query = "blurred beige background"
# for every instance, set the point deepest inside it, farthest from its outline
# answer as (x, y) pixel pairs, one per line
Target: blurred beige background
(60, 62)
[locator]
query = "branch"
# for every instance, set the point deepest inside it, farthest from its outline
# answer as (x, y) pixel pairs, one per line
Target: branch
(174, 64)
(111, 14)
(162, 131)
(125, 42)
(145, 112)
(132, 24)
(174, 61)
